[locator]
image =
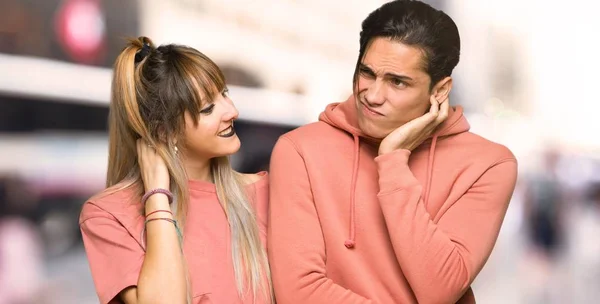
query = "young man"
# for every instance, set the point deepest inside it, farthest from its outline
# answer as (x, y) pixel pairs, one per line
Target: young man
(389, 198)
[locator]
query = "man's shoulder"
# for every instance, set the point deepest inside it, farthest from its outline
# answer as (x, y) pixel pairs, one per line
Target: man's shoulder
(313, 134)
(311, 129)
(484, 148)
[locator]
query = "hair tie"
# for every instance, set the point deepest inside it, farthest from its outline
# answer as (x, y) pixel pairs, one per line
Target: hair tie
(143, 52)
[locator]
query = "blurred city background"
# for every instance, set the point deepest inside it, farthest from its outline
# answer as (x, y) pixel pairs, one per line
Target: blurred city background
(526, 79)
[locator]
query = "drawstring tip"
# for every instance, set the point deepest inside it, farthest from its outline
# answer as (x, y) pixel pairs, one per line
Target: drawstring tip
(349, 244)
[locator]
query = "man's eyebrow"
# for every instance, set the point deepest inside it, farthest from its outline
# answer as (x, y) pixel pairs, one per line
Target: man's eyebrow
(401, 77)
(365, 67)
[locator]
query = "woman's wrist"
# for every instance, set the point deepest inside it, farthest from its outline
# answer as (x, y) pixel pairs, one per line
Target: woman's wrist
(157, 202)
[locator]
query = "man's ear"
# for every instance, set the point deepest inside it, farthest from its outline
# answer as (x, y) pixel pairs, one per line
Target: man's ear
(442, 89)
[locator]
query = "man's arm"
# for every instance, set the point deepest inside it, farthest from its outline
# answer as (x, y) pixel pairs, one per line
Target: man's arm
(295, 240)
(440, 260)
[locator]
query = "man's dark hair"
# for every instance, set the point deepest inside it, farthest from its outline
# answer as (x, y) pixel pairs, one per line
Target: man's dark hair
(416, 24)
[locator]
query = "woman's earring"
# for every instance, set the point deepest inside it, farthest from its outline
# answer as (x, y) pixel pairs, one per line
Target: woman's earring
(175, 150)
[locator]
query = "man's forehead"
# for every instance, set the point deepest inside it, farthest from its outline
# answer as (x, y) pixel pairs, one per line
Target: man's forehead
(385, 55)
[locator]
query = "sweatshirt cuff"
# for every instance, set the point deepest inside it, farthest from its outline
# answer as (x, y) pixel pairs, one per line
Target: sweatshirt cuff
(394, 173)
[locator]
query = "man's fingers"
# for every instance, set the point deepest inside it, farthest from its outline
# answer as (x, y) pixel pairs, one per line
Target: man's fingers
(435, 106)
(444, 110)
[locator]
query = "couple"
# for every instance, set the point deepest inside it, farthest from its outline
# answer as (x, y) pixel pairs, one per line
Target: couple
(387, 199)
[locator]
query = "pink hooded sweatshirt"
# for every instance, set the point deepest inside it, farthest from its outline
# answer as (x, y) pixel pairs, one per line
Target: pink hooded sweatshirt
(348, 226)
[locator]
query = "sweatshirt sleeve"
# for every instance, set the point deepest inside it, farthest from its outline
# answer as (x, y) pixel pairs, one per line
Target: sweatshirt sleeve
(295, 241)
(114, 256)
(441, 260)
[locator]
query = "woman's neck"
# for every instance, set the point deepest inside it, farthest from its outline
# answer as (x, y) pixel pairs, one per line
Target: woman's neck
(198, 169)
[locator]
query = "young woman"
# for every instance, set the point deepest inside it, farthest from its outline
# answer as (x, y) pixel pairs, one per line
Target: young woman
(176, 224)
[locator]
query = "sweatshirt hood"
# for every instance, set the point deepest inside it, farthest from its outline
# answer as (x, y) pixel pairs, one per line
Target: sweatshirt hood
(344, 116)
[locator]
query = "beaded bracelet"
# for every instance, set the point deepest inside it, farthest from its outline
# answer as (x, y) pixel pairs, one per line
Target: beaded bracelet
(157, 190)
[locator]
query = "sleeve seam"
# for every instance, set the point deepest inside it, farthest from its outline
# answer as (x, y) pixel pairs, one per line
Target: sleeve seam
(502, 161)
(106, 215)
(293, 145)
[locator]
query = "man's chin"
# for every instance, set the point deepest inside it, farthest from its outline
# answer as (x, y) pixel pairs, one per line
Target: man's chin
(369, 129)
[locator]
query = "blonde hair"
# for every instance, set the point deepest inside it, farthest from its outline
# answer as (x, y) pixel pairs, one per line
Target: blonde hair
(150, 95)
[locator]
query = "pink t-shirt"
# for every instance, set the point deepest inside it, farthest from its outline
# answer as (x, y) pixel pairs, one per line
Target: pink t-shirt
(112, 225)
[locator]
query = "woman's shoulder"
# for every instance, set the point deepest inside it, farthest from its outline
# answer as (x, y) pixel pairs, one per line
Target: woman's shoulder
(254, 179)
(114, 202)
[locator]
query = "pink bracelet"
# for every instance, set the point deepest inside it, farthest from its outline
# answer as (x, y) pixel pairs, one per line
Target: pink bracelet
(158, 190)
(153, 212)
